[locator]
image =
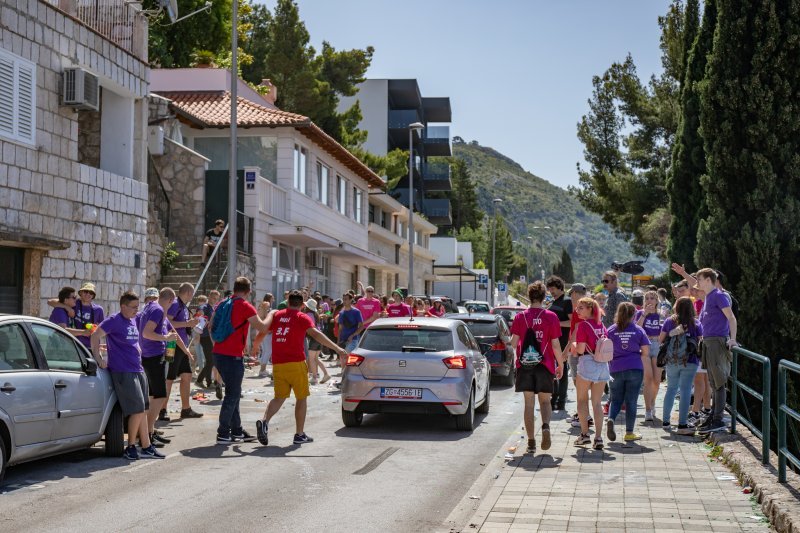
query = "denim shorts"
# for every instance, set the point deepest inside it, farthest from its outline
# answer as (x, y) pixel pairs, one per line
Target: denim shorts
(591, 370)
(654, 346)
(573, 366)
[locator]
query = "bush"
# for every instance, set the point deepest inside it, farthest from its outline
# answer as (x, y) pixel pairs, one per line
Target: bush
(168, 258)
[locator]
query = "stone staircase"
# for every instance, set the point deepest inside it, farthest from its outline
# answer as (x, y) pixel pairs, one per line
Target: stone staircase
(188, 269)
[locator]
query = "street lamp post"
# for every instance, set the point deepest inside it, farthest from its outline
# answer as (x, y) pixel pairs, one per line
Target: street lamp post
(415, 126)
(541, 249)
(494, 235)
(232, 207)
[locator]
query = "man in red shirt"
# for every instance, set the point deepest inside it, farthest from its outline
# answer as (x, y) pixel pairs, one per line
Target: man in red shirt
(228, 360)
(369, 306)
(289, 328)
(397, 308)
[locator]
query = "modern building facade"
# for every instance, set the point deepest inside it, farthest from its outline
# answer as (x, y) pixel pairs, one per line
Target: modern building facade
(388, 108)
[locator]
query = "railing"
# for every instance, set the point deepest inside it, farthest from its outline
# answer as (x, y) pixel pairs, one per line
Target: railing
(763, 396)
(784, 410)
(400, 119)
(244, 233)
(437, 208)
(437, 133)
(272, 200)
(116, 20)
(212, 258)
(158, 195)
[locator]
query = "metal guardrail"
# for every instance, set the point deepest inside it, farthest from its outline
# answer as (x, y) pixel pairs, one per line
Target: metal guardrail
(211, 258)
(784, 455)
(764, 397)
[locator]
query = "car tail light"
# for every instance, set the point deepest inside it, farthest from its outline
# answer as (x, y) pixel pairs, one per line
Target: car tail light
(354, 360)
(406, 326)
(458, 362)
(499, 346)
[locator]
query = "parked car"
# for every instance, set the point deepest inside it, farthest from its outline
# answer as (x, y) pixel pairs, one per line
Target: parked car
(477, 306)
(508, 312)
(424, 365)
(53, 396)
(494, 338)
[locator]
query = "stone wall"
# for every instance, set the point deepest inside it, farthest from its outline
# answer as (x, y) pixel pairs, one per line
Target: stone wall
(45, 193)
(156, 243)
(89, 137)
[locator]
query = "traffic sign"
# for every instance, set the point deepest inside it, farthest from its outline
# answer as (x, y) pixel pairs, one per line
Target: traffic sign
(502, 287)
(522, 278)
(483, 278)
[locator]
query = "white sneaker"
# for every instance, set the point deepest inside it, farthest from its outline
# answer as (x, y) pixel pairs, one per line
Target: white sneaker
(648, 416)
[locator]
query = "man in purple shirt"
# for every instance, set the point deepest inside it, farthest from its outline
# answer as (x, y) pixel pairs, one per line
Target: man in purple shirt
(124, 364)
(178, 315)
(83, 311)
(60, 316)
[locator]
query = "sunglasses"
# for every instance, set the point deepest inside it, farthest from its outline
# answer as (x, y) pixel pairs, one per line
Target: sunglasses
(607, 281)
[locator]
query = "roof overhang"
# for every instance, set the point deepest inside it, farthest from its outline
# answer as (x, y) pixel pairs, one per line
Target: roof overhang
(453, 273)
(304, 236)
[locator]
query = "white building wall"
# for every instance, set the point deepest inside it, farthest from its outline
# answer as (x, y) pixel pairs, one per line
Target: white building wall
(373, 98)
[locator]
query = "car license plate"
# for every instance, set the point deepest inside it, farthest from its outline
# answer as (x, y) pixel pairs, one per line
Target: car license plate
(401, 393)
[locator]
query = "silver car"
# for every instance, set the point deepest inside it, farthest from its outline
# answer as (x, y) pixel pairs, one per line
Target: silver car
(419, 365)
(53, 397)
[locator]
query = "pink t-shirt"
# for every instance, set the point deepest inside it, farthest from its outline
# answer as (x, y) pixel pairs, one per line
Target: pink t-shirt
(397, 310)
(368, 307)
(588, 332)
(547, 327)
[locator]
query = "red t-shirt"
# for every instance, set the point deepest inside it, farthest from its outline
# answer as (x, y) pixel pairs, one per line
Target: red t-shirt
(547, 327)
(289, 327)
(395, 310)
(573, 321)
(234, 345)
(588, 332)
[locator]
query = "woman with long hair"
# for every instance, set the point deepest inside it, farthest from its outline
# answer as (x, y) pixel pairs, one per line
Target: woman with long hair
(631, 352)
(592, 375)
(681, 368)
(649, 320)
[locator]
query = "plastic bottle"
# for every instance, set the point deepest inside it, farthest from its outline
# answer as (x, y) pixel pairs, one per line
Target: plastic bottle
(169, 356)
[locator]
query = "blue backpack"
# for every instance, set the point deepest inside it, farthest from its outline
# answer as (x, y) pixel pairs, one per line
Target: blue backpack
(222, 325)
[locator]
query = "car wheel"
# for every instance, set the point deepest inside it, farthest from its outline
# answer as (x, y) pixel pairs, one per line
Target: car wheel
(509, 379)
(114, 436)
(352, 419)
(3, 459)
(484, 407)
(466, 422)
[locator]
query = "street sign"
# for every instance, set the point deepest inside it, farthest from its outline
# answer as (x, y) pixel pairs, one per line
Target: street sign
(502, 287)
(522, 279)
(483, 279)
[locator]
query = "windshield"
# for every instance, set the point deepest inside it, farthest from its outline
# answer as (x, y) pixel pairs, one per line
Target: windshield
(477, 308)
(483, 329)
(394, 340)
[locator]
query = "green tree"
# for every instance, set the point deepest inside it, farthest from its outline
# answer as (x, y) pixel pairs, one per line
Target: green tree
(172, 46)
(686, 200)
(751, 128)
(504, 250)
(481, 243)
(463, 196)
(563, 268)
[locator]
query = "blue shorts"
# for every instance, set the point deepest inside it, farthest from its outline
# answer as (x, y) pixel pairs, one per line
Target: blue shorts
(591, 370)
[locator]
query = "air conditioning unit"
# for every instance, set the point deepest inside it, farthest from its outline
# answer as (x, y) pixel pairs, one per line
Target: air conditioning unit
(314, 260)
(81, 89)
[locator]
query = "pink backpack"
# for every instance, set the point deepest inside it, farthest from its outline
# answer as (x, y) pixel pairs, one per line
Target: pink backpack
(603, 350)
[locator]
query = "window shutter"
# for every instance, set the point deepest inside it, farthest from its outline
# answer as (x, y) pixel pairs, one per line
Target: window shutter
(6, 97)
(17, 98)
(26, 102)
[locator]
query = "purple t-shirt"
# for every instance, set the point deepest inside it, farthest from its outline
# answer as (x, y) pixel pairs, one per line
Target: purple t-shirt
(179, 313)
(715, 323)
(628, 344)
(122, 340)
(651, 324)
(695, 331)
(87, 314)
(60, 316)
(152, 312)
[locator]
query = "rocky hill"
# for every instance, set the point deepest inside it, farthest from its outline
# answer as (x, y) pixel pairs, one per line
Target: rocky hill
(529, 201)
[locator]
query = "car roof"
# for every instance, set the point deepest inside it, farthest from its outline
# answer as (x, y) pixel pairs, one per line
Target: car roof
(476, 302)
(25, 318)
(482, 317)
(418, 320)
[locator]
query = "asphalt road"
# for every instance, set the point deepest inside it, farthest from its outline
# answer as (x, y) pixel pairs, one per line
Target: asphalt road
(394, 473)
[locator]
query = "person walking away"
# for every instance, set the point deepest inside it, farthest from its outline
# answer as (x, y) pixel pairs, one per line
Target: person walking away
(230, 329)
(289, 328)
(182, 321)
(211, 240)
(207, 310)
(631, 352)
(664, 307)
(576, 292)
(124, 364)
(314, 346)
(679, 331)
(649, 320)
(535, 335)
(592, 375)
(562, 307)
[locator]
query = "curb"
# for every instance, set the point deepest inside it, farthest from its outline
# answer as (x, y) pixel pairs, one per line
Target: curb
(780, 502)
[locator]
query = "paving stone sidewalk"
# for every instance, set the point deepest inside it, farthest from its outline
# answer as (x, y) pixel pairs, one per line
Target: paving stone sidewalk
(663, 482)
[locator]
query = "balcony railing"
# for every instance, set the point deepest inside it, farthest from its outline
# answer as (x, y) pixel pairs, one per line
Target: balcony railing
(272, 200)
(438, 211)
(119, 21)
(437, 132)
(244, 233)
(437, 177)
(401, 118)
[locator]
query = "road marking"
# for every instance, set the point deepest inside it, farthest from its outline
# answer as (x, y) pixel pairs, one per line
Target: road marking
(148, 462)
(372, 465)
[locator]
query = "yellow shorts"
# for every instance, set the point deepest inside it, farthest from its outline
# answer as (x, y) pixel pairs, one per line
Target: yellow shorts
(288, 377)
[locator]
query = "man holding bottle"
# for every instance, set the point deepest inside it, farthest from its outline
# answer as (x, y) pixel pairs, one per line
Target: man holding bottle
(181, 320)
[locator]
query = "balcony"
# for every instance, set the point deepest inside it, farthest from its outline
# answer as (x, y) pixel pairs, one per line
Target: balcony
(401, 195)
(437, 141)
(119, 21)
(399, 119)
(438, 211)
(437, 177)
(437, 109)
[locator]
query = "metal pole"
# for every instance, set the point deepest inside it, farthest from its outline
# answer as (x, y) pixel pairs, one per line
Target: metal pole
(232, 188)
(494, 234)
(410, 210)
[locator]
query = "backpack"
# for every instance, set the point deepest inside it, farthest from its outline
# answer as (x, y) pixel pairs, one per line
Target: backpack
(531, 349)
(222, 325)
(603, 350)
(678, 349)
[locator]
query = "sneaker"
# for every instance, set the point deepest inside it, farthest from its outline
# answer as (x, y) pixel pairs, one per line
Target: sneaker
(190, 413)
(158, 432)
(151, 453)
(218, 390)
(531, 446)
(153, 443)
(693, 416)
(243, 436)
(156, 438)
(665, 424)
(605, 408)
(648, 416)
(262, 375)
(302, 438)
(713, 426)
(591, 421)
(546, 442)
(630, 437)
(575, 422)
(163, 416)
(338, 384)
(225, 439)
(582, 439)
(130, 453)
(325, 379)
(598, 443)
(610, 433)
(261, 432)
(685, 429)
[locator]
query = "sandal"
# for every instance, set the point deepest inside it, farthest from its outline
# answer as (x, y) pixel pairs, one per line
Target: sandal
(598, 444)
(582, 439)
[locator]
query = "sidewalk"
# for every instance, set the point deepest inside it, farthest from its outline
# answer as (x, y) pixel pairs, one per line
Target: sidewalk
(661, 483)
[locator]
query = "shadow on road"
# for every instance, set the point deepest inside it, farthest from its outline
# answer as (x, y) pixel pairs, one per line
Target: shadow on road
(216, 451)
(76, 465)
(409, 427)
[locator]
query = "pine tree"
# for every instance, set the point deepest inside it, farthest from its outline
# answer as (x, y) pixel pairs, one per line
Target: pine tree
(751, 128)
(463, 197)
(563, 269)
(686, 201)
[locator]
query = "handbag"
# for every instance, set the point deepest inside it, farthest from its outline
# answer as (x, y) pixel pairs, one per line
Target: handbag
(603, 350)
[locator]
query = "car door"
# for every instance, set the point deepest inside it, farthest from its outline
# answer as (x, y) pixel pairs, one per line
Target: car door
(26, 393)
(79, 397)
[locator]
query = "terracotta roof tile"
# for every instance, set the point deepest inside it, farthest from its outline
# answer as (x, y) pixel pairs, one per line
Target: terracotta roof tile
(213, 110)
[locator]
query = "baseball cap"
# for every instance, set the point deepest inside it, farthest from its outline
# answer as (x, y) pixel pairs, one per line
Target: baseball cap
(151, 292)
(580, 288)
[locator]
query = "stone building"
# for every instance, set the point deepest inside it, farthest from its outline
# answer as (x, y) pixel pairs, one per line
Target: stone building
(73, 185)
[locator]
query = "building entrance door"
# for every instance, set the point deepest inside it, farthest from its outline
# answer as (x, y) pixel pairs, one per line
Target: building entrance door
(12, 260)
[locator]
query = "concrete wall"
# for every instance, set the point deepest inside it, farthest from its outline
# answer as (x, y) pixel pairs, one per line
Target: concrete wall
(373, 98)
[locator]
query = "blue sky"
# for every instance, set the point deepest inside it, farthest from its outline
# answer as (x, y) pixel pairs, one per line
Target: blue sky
(518, 72)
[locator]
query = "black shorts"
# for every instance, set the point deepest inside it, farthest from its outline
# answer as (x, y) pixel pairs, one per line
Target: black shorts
(131, 389)
(179, 366)
(156, 375)
(537, 379)
(313, 345)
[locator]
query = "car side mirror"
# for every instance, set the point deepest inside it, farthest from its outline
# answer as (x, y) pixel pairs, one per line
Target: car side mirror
(90, 367)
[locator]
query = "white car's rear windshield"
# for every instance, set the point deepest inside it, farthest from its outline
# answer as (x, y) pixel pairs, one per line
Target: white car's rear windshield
(395, 339)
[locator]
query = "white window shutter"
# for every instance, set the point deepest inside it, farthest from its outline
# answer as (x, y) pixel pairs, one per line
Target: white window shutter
(6, 96)
(26, 102)
(17, 98)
